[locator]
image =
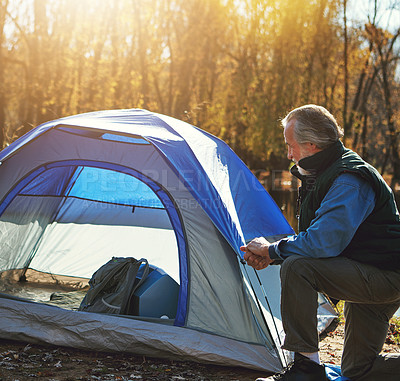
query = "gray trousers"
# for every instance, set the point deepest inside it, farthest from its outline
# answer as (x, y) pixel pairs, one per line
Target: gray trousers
(371, 298)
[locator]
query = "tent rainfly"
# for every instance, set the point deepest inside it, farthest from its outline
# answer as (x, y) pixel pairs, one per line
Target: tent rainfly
(77, 191)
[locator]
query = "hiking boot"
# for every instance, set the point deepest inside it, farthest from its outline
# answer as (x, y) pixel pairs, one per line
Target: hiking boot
(302, 369)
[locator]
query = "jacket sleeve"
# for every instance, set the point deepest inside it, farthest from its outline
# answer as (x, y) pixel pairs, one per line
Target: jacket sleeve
(347, 204)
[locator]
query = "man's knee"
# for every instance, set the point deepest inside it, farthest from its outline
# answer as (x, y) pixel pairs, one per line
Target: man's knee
(294, 264)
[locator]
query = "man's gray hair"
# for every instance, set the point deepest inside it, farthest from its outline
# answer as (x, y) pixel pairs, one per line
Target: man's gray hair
(314, 124)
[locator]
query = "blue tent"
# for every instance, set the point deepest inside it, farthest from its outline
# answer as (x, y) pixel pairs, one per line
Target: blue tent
(79, 190)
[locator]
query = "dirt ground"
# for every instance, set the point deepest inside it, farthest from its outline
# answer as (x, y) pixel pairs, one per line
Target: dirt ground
(22, 361)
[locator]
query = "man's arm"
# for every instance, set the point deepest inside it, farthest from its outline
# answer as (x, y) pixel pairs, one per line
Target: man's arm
(347, 204)
(349, 201)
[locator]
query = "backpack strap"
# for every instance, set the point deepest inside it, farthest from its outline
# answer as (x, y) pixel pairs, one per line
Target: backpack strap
(126, 304)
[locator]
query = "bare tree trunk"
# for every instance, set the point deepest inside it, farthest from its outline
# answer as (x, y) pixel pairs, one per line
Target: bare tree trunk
(364, 151)
(346, 125)
(171, 81)
(31, 105)
(365, 83)
(393, 134)
(360, 105)
(3, 8)
(142, 54)
(309, 73)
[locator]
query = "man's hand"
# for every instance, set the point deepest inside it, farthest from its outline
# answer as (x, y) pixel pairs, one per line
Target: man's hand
(256, 253)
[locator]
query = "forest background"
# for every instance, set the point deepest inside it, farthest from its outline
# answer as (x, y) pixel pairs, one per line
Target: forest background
(231, 67)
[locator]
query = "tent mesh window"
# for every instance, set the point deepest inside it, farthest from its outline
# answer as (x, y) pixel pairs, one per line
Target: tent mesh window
(109, 214)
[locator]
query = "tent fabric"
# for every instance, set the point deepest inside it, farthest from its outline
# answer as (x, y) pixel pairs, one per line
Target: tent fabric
(333, 373)
(77, 191)
(24, 322)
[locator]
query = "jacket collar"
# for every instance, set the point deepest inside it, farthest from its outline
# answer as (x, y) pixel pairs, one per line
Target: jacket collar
(320, 161)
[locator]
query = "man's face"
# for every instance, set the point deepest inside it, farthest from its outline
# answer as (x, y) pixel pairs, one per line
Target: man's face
(297, 151)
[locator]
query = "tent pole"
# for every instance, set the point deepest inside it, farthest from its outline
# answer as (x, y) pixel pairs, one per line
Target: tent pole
(269, 306)
(262, 314)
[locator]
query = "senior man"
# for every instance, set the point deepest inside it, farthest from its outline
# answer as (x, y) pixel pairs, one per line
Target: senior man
(348, 248)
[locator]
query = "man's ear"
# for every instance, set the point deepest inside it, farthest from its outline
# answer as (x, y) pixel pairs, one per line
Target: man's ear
(314, 148)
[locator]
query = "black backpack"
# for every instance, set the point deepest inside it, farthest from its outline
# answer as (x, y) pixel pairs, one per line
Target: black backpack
(112, 287)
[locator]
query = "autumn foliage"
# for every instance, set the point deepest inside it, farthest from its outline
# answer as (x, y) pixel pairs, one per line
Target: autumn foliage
(231, 67)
